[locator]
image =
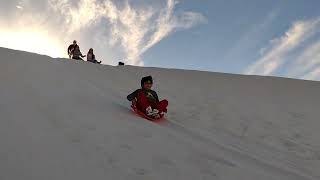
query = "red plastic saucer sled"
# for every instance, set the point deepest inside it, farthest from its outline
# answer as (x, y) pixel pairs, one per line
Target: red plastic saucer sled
(141, 114)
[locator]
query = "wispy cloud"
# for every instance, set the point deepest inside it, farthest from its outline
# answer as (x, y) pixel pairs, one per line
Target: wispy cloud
(313, 75)
(117, 29)
(281, 48)
(307, 64)
(136, 29)
(248, 40)
(19, 7)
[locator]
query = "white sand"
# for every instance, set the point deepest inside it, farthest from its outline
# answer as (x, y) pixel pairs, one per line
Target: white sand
(68, 120)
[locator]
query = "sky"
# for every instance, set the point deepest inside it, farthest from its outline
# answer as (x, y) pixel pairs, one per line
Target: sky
(270, 38)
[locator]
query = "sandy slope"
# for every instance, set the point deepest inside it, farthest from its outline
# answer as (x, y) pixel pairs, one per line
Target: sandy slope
(63, 119)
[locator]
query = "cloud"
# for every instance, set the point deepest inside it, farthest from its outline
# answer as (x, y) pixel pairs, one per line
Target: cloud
(19, 7)
(313, 75)
(281, 48)
(135, 29)
(249, 40)
(168, 23)
(307, 64)
(121, 28)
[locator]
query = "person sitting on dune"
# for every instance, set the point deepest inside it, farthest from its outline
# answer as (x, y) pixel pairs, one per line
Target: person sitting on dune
(77, 54)
(147, 101)
(91, 57)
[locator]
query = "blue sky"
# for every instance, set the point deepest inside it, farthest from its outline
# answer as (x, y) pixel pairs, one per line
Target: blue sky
(274, 38)
(235, 35)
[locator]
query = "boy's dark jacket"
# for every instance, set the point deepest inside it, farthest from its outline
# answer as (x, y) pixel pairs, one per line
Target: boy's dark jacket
(150, 94)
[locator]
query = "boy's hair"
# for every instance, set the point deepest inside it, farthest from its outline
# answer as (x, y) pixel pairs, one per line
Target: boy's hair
(146, 79)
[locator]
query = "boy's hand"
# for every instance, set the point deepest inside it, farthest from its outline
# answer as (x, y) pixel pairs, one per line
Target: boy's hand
(134, 101)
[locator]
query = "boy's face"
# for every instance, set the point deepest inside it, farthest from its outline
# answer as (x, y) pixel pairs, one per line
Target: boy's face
(147, 85)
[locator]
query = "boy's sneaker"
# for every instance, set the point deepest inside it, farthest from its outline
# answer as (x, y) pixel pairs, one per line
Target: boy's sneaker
(155, 111)
(149, 111)
(156, 116)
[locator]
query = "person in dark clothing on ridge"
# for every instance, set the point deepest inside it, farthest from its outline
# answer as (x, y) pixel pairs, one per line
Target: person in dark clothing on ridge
(91, 57)
(147, 101)
(71, 48)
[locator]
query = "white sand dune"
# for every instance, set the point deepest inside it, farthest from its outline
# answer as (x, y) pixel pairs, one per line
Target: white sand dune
(69, 120)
